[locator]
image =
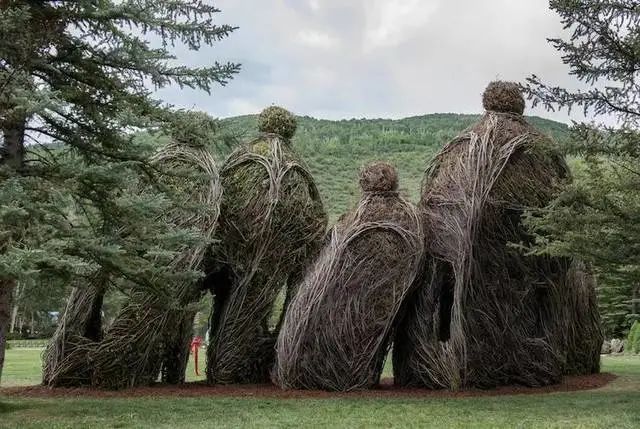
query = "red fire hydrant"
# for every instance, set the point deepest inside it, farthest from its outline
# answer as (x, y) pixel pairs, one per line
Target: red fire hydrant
(196, 342)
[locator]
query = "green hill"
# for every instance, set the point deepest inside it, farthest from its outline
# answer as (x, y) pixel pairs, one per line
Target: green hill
(335, 150)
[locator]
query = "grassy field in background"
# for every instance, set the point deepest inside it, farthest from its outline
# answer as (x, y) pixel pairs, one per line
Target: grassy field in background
(23, 367)
(617, 405)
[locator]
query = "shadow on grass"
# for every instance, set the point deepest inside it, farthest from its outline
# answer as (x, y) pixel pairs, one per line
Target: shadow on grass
(10, 407)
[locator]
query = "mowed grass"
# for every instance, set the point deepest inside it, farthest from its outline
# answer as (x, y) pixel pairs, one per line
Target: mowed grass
(616, 405)
(23, 367)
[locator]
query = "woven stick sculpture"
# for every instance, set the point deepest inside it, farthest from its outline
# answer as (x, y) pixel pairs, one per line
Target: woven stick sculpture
(337, 331)
(152, 332)
(271, 223)
(584, 335)
(486, 314)
(65, 360)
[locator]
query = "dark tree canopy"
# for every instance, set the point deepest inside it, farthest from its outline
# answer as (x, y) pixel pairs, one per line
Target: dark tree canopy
(597, 218)
(76, 88)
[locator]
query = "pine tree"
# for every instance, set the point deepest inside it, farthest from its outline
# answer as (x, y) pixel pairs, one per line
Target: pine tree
(597, 219)
(76, 84)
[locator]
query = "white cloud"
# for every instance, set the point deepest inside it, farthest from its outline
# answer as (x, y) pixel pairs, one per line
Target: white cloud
(240, 106)
(320, 76)
(378, 58)
(316, 39)
(390, 22)
(314, 5)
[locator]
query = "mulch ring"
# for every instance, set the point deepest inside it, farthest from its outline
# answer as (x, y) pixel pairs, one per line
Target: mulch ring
(385, 390)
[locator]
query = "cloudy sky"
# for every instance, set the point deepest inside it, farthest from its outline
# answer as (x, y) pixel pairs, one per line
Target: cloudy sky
(376, 58)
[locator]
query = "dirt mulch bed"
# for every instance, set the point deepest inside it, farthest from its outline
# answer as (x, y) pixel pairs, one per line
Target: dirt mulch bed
(385, 390)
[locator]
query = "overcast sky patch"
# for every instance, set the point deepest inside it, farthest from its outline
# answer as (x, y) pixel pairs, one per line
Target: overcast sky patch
(376, 58)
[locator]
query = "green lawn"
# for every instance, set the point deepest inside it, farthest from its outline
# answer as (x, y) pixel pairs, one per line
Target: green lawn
(23, 367)
(614, 406)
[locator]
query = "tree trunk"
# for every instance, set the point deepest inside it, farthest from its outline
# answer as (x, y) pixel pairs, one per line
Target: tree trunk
(16, 306)
(6, 292)
(11, 155)
(14, 316)
(13, 147)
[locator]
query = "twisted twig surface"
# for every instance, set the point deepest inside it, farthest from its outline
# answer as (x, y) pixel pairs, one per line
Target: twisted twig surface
(486, 314)
(271, 223)
(151, 334)
(336, 332)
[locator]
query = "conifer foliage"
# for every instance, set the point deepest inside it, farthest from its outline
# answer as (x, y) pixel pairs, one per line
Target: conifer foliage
(597, 219)
(76, 82)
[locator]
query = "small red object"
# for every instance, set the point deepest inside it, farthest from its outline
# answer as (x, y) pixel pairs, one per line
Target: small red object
(196, 342)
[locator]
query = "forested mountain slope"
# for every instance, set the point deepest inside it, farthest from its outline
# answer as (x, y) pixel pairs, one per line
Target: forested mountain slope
(335, 150)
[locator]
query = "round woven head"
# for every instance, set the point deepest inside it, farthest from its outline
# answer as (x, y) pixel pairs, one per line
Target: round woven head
(378, 177)
(503, 97)
(276, 120)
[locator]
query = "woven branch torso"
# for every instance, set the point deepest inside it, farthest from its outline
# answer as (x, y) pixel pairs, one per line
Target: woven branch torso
(337, 330)
(506, 317)
(271, 222)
